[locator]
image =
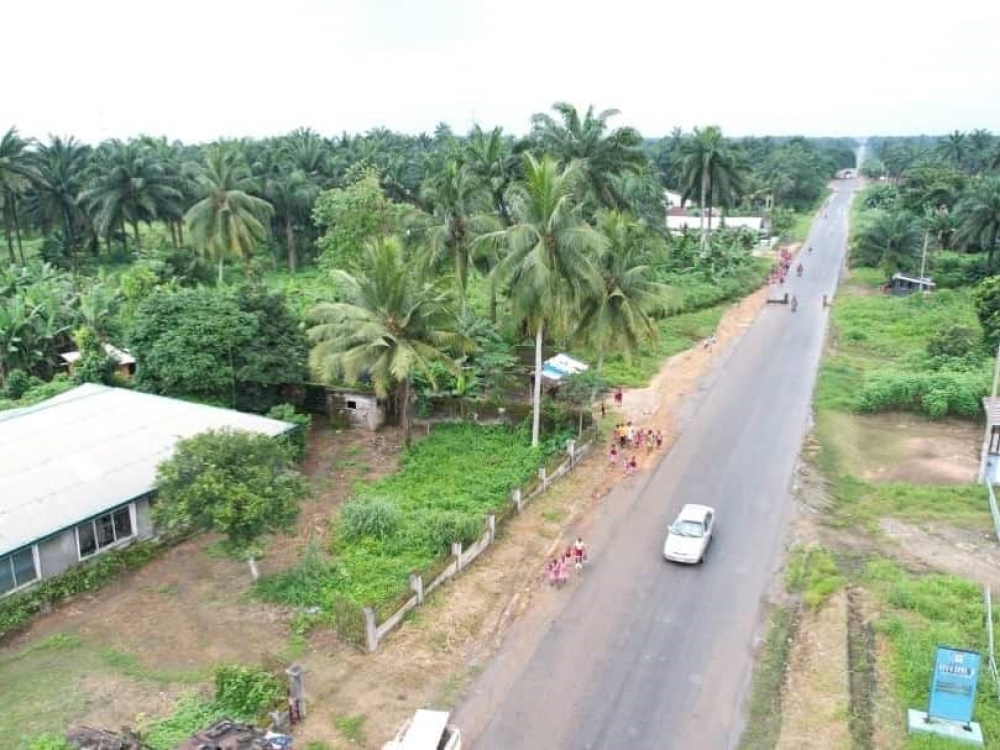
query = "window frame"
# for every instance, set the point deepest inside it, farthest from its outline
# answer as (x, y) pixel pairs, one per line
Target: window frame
(8, 558)
(117, 541)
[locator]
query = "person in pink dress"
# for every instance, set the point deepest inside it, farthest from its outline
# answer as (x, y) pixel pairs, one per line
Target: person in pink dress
(613, 455)
(562, 572)
(639, 437)
(552, 570)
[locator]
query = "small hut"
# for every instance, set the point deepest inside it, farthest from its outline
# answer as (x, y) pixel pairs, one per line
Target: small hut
(900, 284)
(124, 361)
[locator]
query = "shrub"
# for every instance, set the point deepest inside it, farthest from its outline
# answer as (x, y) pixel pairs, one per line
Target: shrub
(955, 341)
(937, 394)
(245, 692)
(16, 384)
(445, 527)
(297, 437)
(376, 517)
(47, 742)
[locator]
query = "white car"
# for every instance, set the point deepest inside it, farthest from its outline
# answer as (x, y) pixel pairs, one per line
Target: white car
(689, 536)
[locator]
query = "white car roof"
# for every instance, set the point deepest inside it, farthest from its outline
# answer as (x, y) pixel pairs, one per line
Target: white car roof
(694, 512)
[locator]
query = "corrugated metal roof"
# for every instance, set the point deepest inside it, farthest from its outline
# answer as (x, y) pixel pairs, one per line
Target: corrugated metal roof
(87, 450)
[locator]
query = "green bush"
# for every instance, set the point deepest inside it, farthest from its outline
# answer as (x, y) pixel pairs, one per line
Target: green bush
(191, 713)
(374, 517)
(17, 609)
(47, 742)
(936, 394)
(298, 436)
(955, 341)
(246, 693)
(812, 572)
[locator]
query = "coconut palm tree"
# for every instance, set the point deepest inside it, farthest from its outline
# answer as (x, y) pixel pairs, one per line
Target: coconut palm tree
(599, 154)
(227, 220)
(981, 144)
(130, 186)
(394, 322)
(978, 216)
(618, 316)
(890, 241)
(15, 178)
(548, 266)
(60, 168)
(456, 196)
(292, 194)
(710, 170)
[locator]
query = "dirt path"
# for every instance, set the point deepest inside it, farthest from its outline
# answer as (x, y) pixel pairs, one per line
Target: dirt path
(816, 698)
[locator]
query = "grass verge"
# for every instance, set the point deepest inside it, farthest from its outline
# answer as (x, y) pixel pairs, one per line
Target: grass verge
(918, 613)
(764, 715)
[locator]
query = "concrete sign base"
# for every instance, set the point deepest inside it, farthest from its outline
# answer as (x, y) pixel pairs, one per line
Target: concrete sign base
(917, 721)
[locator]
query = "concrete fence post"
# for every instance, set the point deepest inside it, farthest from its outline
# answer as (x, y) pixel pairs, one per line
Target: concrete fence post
(417, 584)
(571, 450)
(371, 630)
(542, 474)
(456, 550)
(516, 497)
(491, 525)
(296, 693)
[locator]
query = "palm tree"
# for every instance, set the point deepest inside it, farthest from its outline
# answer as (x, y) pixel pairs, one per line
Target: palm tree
(454, 193)
(292, 195)
(955, 148)
(15, 176)
(490, 157)
(548, 266)
(979, 217)
(890, 241)
(130, 186)
(393, 322)
(599, 154)
(227, 220)
(981, 143)
(60, 168)
(710, 170)
(619, 315)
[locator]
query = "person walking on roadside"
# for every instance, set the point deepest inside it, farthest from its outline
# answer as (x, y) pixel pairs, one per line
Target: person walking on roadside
(630, 432)
(579, 553)
(613, 455)
(659, 439)
(552, 572)
(639, 437)
(650, 440)
(618, 397)
(622, 435)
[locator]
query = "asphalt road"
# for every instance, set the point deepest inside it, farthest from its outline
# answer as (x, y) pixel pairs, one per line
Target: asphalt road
(645, 654)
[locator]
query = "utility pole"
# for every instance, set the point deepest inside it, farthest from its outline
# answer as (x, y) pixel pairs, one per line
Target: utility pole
(923, 260)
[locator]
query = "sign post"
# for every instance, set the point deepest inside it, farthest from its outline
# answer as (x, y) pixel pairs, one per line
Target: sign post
(953, 695)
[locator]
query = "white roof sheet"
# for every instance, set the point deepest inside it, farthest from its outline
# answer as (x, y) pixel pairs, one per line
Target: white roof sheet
(677, 223)
(87, 450)
(426, 730)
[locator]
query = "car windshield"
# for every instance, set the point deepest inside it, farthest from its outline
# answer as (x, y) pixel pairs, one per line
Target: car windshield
(687, 528)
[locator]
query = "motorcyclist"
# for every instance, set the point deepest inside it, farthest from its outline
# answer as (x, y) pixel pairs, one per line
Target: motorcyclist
(795, 303)
(799, 269)
(810, 248)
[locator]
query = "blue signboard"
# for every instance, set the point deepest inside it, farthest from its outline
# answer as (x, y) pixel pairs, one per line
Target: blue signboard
(953, 686)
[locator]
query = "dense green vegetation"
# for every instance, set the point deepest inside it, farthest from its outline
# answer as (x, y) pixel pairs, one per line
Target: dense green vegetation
(447, 484)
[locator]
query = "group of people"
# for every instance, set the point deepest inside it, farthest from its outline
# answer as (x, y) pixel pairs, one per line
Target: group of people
(627, 436)
(557, 570)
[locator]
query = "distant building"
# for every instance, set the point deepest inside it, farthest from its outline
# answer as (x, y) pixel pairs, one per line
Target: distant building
(677, 224)
(124, 361)
(78, 473)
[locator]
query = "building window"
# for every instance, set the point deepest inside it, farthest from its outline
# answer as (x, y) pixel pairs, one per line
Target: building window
(94, 535)
(17, 570)
(352, 404)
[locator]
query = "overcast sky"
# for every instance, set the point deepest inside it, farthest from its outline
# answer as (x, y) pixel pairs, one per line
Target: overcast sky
(200, 69)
